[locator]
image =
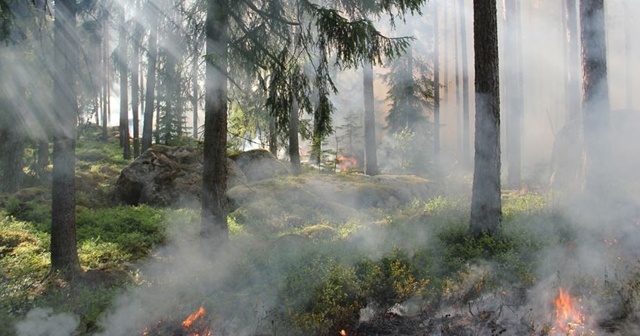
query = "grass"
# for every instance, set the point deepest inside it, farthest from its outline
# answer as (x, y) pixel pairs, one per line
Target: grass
(312, 270)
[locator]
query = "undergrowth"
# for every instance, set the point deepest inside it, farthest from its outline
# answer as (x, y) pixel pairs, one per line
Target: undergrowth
(313, 278)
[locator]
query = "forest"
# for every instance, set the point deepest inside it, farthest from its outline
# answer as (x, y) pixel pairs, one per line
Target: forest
(319, 167)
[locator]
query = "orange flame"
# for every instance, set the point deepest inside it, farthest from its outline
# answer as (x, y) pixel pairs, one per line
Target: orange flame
(343, 333)
(347, 163)
(569, 318)
(193, 317)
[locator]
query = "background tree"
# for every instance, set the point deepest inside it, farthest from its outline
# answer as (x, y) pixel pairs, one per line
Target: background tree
(514, 92)
(135, 82)
(486, 207)
(152, 55)
(370, 147)
(123, 68)
(436, 80)
(64, 253)
(595, 98)
(410, 94)
(465, 85)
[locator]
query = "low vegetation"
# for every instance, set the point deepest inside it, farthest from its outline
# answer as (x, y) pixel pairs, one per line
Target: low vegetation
(314, 274)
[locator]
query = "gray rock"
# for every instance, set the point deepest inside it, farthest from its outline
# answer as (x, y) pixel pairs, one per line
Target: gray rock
(259, 164)
(167, 176)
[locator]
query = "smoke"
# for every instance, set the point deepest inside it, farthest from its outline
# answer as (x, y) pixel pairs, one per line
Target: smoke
(43, 322)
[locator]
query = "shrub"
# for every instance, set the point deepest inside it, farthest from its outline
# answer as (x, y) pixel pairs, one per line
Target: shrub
(135, 230)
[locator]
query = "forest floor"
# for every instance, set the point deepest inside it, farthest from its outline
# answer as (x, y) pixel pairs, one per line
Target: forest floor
(298, 267)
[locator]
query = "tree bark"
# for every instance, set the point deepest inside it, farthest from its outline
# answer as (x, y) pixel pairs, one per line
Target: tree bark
(214, 198)
(64, 253)
(595, 97)
(370, 146)
(150, 96)
(486, 208)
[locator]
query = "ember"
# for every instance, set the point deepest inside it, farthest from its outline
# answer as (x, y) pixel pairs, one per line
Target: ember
(570, 320)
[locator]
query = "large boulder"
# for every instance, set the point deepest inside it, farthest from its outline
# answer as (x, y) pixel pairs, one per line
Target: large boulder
(168, 176)
(259, 164)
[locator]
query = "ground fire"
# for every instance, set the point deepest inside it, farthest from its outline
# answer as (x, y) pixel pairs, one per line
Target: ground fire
(193, 325)
(570, 319)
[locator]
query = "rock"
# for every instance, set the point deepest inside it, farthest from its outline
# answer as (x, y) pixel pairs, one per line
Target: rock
(259, 164)
(167, 176)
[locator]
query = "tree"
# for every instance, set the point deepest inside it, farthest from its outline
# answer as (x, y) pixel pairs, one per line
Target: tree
(572, 62)
(411, 94)
(64, 253)
(261, 39)
(150, 96)
(370, 147)
(214, 177)
(465, 85)
(123, 66)
(595, 97)
(436, 81)
(486, 208)
(514, 92)
(135, 85)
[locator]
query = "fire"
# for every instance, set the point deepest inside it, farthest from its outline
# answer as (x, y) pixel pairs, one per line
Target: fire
(347, 163)
(570, 320)
(193, 317)
(343, 333)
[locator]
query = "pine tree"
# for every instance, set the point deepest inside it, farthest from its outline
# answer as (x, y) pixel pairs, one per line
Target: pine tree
(486, 206)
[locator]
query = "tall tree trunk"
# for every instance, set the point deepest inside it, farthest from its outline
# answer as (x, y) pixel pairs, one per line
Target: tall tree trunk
(572, 63)
(486, 207)
(445, 43)
(194, 90)
(124, 86)
(105, 81)
(465, 86)
(43, 157)
(458, 75)
(370, 147)
(294, 147)
(316, 142)
(627, 56)
(595, 97)
(135, 88)
(273, 136)
(214, 177)
(514, 92)
(436, 81)
(11, 153)
(64, 253)
(150, 96)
